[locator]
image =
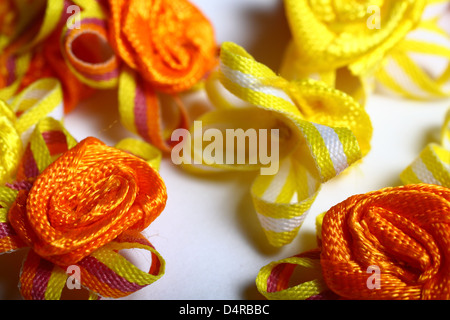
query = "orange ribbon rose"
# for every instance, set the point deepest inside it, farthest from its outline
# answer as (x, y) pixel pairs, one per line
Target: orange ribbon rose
(402, 231)
(171, 43)
(85, 199)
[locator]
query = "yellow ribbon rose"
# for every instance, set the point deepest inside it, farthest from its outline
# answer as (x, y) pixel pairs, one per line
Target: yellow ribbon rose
(350, 43)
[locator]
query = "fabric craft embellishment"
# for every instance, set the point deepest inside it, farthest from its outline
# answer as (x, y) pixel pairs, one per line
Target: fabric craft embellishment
(322, 131)
(400, 232)
(77, 205)
(361, 46)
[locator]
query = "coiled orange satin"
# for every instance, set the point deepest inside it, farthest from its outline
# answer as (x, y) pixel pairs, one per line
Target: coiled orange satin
(404, 231)
(85, 199)
(169, 42)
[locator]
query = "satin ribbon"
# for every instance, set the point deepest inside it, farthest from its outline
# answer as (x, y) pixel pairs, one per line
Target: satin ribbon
(322, 131)
(83, 241)
(168, 49)
(334, 42)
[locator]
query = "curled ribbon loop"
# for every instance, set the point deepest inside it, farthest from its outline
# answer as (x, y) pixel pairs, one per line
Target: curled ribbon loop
(393, 42)
(273, 279)
(141, 111)
(316, 141)
(18, 119)
(91, 202)
(431, 166)
(94, 209)
(400, 233)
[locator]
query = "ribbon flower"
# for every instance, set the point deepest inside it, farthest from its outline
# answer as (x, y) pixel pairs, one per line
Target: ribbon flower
(170, 43)
(78, 205)
(401, 233)
(350, 43)
(321, 131)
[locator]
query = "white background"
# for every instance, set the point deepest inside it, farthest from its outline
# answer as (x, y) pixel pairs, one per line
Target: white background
(209, 234)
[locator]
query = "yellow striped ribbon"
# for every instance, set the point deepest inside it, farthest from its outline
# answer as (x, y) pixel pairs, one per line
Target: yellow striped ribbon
(408, 55)
(432, 166)
(322, 131)
(27, 12)
(274, 280)
(17, 120)
(103, 72)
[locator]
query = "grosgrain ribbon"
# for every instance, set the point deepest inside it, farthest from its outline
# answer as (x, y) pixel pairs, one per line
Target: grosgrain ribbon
(322, 131)
(335, 42)
(99, 200)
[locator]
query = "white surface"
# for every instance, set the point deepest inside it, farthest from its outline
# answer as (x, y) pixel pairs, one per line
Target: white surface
(209, 234)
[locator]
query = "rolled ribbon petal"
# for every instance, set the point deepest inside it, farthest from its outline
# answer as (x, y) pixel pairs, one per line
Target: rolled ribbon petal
(170, 43)
(83, 201)
(321, 132)
(393, 46)
(401, 231)
(168, 48)
(335, 34)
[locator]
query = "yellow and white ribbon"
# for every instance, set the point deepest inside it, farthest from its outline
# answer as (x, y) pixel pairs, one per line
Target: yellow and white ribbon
(321, 132)
(432, 166)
